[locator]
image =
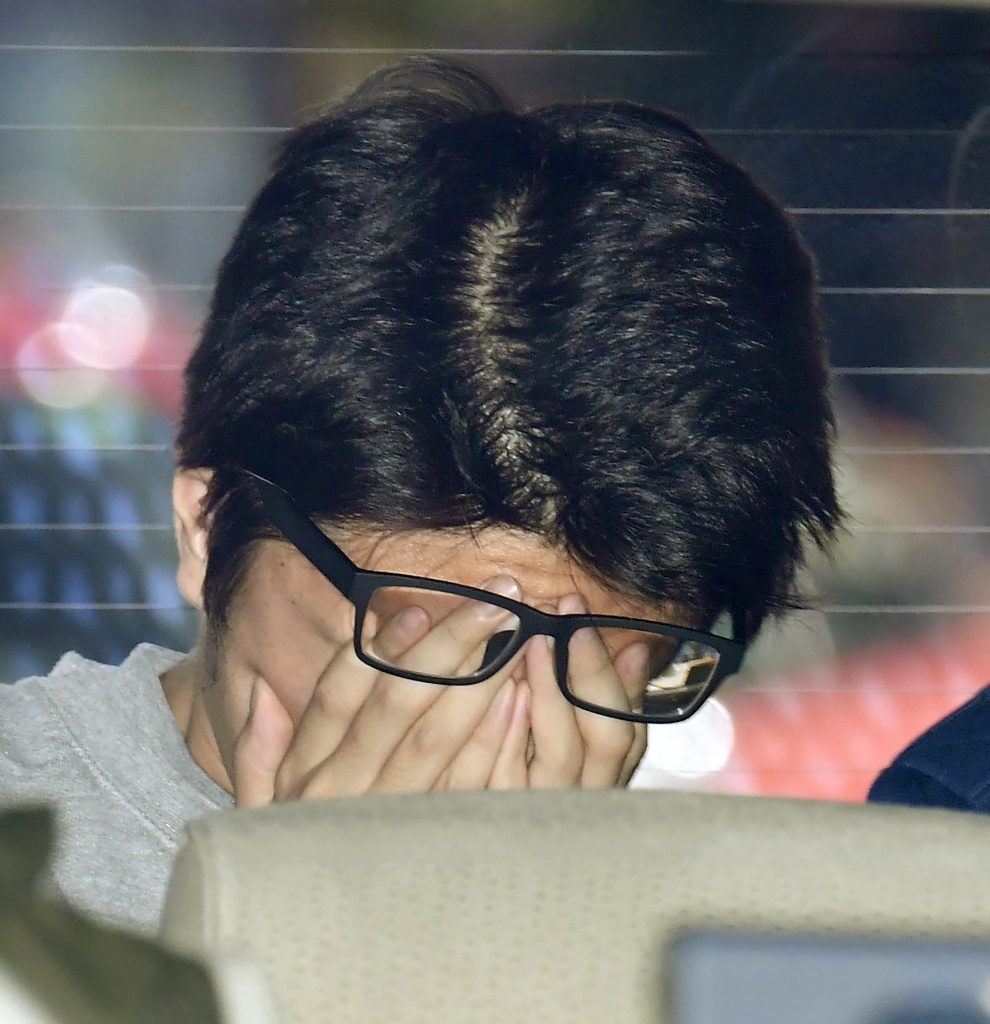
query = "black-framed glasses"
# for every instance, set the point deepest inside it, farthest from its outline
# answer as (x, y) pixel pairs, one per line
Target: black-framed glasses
(667, 671)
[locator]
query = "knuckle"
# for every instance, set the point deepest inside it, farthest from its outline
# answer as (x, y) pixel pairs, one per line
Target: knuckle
(616, 740)
(425, 738)
(327, 700)
(393, 696)
(486, 735)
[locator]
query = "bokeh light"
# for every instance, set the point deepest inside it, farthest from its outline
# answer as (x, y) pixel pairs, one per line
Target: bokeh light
(115, 322)
(49, 377)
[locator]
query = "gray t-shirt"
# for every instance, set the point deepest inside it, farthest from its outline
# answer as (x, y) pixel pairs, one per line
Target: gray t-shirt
(100, 744)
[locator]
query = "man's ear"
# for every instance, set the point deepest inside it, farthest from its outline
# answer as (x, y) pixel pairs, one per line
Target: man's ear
(189, 487)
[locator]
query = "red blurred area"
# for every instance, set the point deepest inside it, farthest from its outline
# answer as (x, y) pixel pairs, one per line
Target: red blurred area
(826, 731)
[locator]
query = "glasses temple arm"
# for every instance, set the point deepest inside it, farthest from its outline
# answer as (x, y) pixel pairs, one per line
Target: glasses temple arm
(298, 528)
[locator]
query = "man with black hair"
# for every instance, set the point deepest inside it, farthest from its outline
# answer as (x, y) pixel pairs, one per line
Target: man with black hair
(495, 417)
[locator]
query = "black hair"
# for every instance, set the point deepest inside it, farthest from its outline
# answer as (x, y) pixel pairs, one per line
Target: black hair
(577, 320)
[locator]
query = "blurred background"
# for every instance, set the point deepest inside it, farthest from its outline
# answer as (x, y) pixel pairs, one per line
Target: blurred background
(132, 134)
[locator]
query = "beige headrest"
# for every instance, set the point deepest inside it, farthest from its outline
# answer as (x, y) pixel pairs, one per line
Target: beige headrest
(549, 906)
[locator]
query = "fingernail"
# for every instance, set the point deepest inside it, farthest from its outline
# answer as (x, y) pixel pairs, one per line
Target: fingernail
(506, 586)
(412, 620)
(573, 604)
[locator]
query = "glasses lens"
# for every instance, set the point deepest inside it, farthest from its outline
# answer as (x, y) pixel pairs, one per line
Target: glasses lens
(464, 636)
(653, 674)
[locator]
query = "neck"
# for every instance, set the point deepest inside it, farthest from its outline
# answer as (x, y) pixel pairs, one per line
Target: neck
(183, 686)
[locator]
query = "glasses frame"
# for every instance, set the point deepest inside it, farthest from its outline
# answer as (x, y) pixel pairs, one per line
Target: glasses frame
(357, 585)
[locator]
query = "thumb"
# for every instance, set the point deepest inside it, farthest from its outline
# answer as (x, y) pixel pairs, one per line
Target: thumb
(260, 748)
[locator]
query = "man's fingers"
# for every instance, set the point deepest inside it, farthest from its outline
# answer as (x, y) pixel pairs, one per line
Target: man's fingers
(406, 733)
(593, 751)
(473, 765)
(510, 770)
(260, 748)
(558, 750)
(632, 665)
(465, 629)
(396, 635)
(635, 755)
(340, 694)
(591, 673)
(438, 737)
(607, 680)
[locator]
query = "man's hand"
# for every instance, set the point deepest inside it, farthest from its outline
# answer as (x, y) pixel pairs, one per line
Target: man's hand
(366, 731)
(566, 746)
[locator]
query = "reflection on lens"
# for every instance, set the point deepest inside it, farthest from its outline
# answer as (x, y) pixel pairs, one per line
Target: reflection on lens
(681, 684)
(483, 630)
(670, 681)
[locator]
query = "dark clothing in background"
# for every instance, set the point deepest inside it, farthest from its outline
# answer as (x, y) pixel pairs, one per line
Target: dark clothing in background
(947, 766)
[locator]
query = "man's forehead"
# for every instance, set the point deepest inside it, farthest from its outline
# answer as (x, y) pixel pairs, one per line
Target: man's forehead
(473, 556)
